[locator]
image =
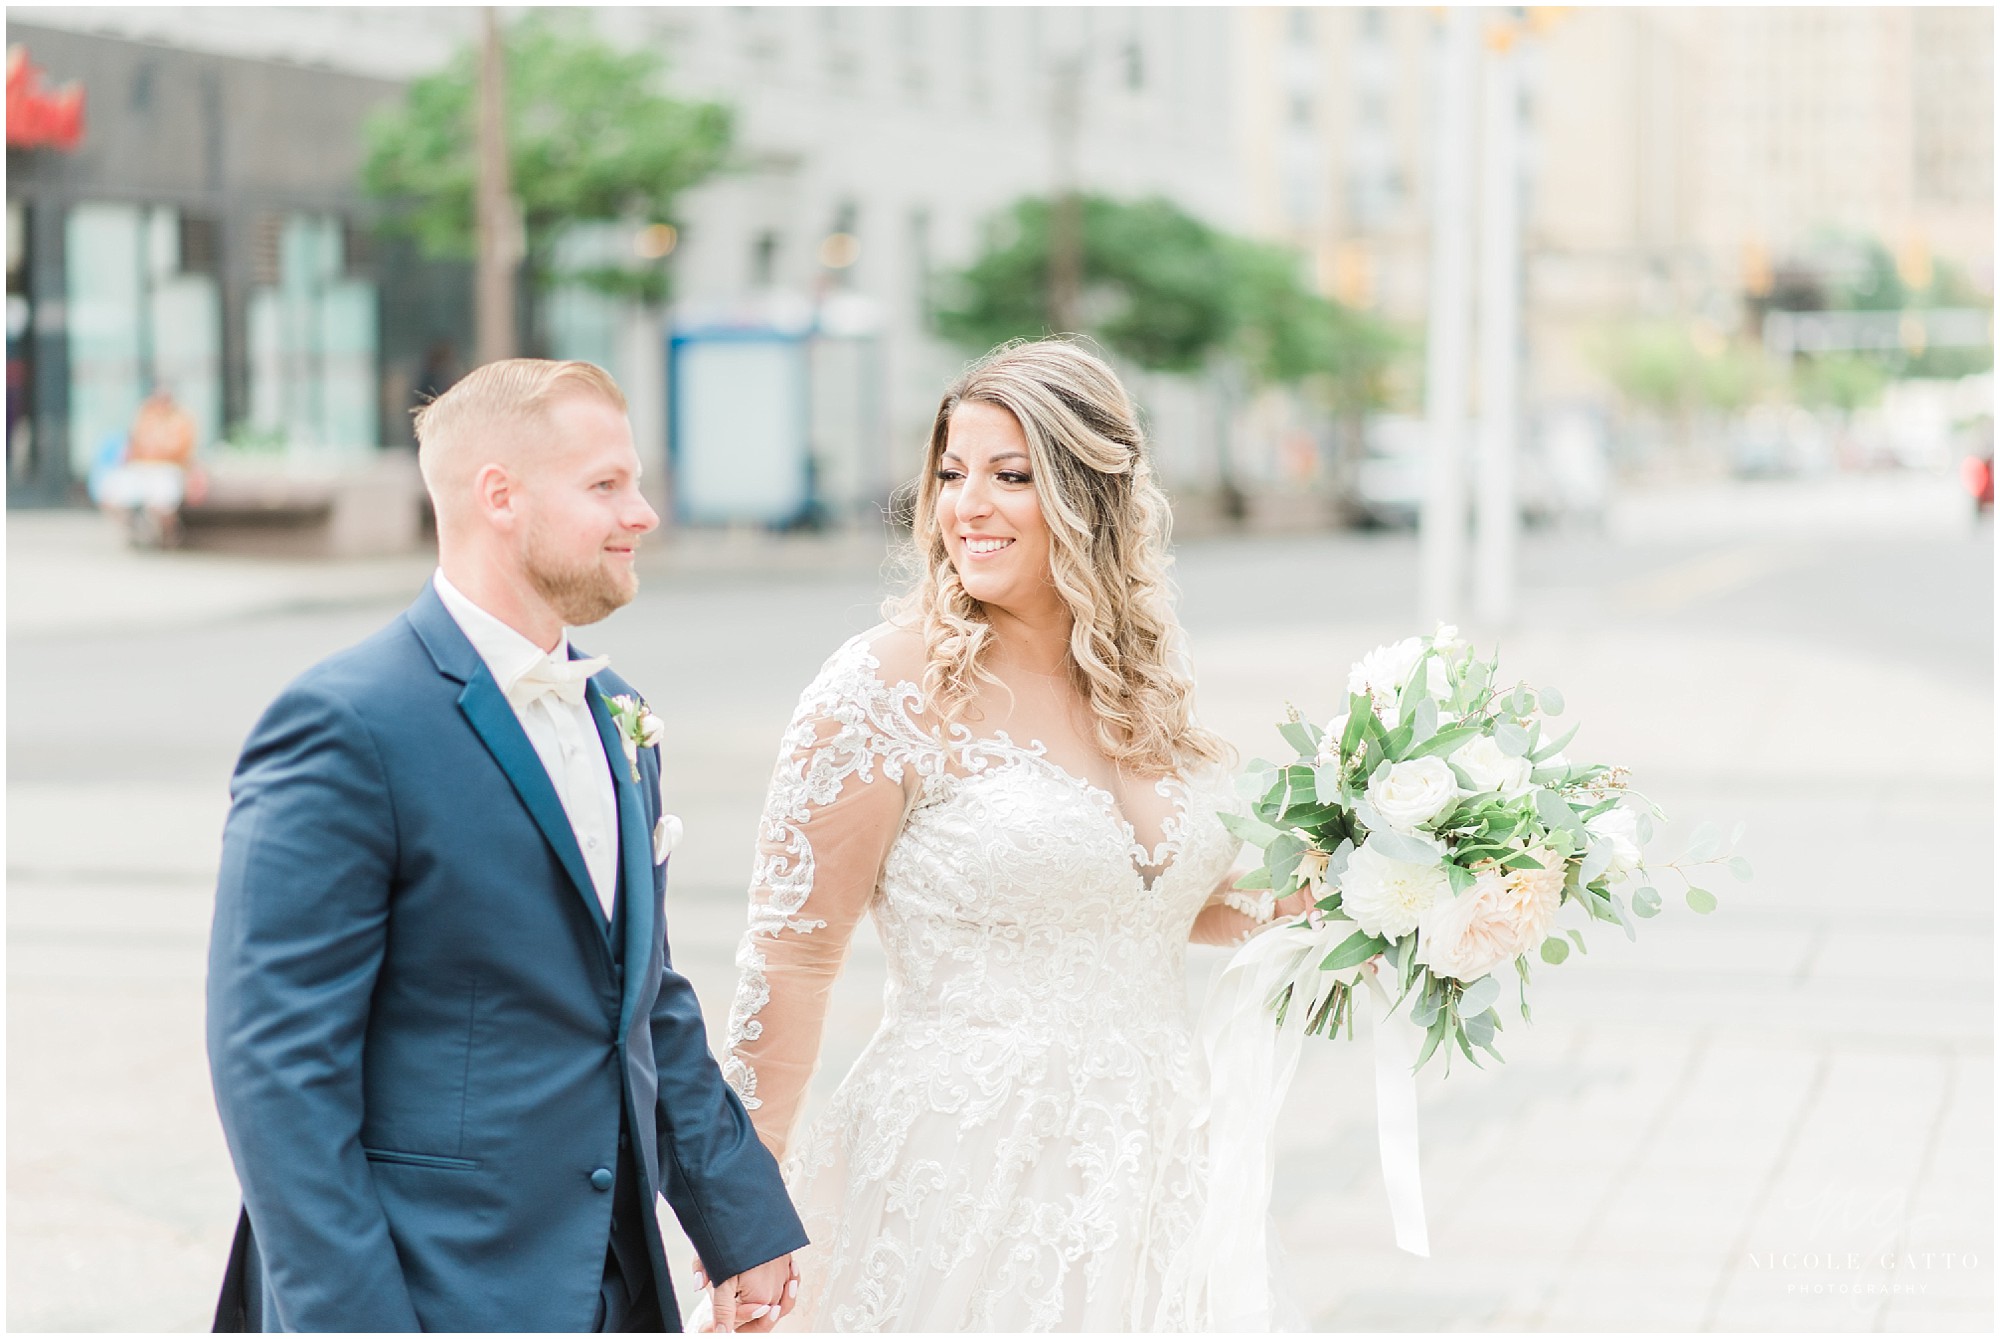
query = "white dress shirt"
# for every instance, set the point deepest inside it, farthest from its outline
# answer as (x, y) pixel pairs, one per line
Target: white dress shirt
(564, 735)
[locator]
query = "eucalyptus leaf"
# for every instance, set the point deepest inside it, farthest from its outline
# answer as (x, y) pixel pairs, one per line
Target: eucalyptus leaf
(1511, 739)
(1624, 920)
(1284, 854)
(1424, 1011)
(1253, 784)
(1552, 701)
(1644, 827)
(1254, 831)
(1424, 721)
(1701, 900)
(1336, 863)
(1479, 996)
(1459, 877)
(1433, 1034)
(1595, 861)
(1256, 880)
(1365, 813)
(1740, 867)
(1326, 783)
(1736, 833)
(1581, 947)
(1555, 811)
(1444, 741)
(1359, 713)
(1479, 1028)
(1646, 901)
(1550, 750)
(1301, 737)
(1554, 950)
(1706, 843)
(1401, 846)
(1352, 951)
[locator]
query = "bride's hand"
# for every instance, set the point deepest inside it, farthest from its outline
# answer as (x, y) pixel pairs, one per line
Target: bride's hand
(1295, 904)
(752, 1302)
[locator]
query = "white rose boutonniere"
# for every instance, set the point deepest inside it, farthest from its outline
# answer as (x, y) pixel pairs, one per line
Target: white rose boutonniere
(638, 728)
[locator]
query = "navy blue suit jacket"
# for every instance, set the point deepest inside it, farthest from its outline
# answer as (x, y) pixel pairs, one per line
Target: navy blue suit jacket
(421, 1040)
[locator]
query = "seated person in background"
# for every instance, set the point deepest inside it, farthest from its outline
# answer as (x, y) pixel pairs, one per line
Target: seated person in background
(145, 490)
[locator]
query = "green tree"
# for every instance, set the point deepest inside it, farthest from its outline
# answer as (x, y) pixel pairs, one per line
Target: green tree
(1843, 382)
(1169, 292)
(590, 140)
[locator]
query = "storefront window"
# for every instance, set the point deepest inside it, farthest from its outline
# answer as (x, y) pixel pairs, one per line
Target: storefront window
(313, 336)
(136, 320)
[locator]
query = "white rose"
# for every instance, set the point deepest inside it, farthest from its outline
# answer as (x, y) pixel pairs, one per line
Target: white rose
(1445, 641)
(1489, 769)
(1384, 896)
(1620, 827)
(1411, 794)
(1383, 673)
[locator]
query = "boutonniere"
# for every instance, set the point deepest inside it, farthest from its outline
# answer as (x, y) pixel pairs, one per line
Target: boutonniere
(638, 728)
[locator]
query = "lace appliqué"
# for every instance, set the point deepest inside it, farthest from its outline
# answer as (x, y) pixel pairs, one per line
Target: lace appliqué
(873, 724)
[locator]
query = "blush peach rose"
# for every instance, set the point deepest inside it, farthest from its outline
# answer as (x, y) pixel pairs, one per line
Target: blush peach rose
(1504, 914)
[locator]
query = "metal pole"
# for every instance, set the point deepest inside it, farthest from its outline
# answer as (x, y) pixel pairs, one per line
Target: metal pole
(1441, 528)
(1065, 209)
(494, 294)
(1498, 514)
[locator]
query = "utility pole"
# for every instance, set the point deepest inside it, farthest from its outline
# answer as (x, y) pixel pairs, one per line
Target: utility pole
(498, 218)
(1065, 209)
(1498, 512)
(1441, 527)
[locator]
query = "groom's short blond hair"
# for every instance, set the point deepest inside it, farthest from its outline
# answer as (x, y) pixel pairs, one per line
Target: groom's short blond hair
(491, 405)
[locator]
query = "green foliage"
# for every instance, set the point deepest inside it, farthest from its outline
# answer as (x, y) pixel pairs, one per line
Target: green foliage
(1842, 381)
(1673, 368)
(589, 141)
(1169, 292)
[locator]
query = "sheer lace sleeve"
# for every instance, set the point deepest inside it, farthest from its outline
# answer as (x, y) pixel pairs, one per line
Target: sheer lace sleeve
(851, 763)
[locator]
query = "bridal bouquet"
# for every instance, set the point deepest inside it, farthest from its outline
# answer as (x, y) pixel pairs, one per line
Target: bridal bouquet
(1443, 830)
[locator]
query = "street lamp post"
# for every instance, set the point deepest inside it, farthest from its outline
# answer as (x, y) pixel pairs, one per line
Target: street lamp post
(1441, 526)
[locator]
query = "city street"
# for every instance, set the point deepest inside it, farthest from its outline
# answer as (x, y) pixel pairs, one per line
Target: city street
(1776, 1117)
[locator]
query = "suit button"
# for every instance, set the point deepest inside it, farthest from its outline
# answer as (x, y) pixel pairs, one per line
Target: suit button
(602, 1178)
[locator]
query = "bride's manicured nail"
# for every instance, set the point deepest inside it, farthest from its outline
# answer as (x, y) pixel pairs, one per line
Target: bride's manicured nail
(792, 1288)
(760, 1313)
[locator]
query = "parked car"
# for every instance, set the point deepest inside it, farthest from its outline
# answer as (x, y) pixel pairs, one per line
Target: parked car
(1560, 472)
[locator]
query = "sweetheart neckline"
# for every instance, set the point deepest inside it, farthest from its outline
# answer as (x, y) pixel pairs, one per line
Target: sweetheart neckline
(1164, 857)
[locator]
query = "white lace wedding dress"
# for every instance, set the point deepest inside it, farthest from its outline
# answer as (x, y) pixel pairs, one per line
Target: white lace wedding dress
(1015, 1149)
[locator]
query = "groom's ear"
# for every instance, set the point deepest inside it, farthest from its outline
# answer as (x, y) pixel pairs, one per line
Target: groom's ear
(496, 492)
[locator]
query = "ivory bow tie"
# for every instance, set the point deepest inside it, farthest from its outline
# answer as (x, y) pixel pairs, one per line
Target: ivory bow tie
(565, 679)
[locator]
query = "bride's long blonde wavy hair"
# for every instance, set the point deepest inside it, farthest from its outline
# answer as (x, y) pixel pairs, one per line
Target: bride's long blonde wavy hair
(1108, 525)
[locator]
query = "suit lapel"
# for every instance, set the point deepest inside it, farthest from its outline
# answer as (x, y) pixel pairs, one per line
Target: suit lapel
(486, 707)
(635, 855)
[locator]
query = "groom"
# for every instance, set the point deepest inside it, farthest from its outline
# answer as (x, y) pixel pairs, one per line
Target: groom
(454, 1064)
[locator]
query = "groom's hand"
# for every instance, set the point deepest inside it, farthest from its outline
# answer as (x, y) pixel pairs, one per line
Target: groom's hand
(756, 1299)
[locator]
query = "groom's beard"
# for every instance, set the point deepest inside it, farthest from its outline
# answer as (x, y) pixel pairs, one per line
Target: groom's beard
(580, 593)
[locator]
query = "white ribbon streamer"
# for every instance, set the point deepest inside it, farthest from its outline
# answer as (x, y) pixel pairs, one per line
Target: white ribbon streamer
(1226, 1263)
(1396, 1122)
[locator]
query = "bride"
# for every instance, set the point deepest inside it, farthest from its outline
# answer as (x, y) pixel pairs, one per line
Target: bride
(1009, 778)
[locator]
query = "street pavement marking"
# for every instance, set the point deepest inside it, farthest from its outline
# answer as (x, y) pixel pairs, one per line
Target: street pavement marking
(1708, 576)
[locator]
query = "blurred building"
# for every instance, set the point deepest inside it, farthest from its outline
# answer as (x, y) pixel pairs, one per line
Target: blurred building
(205, 231)
(872, 145)
(1671, 157)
